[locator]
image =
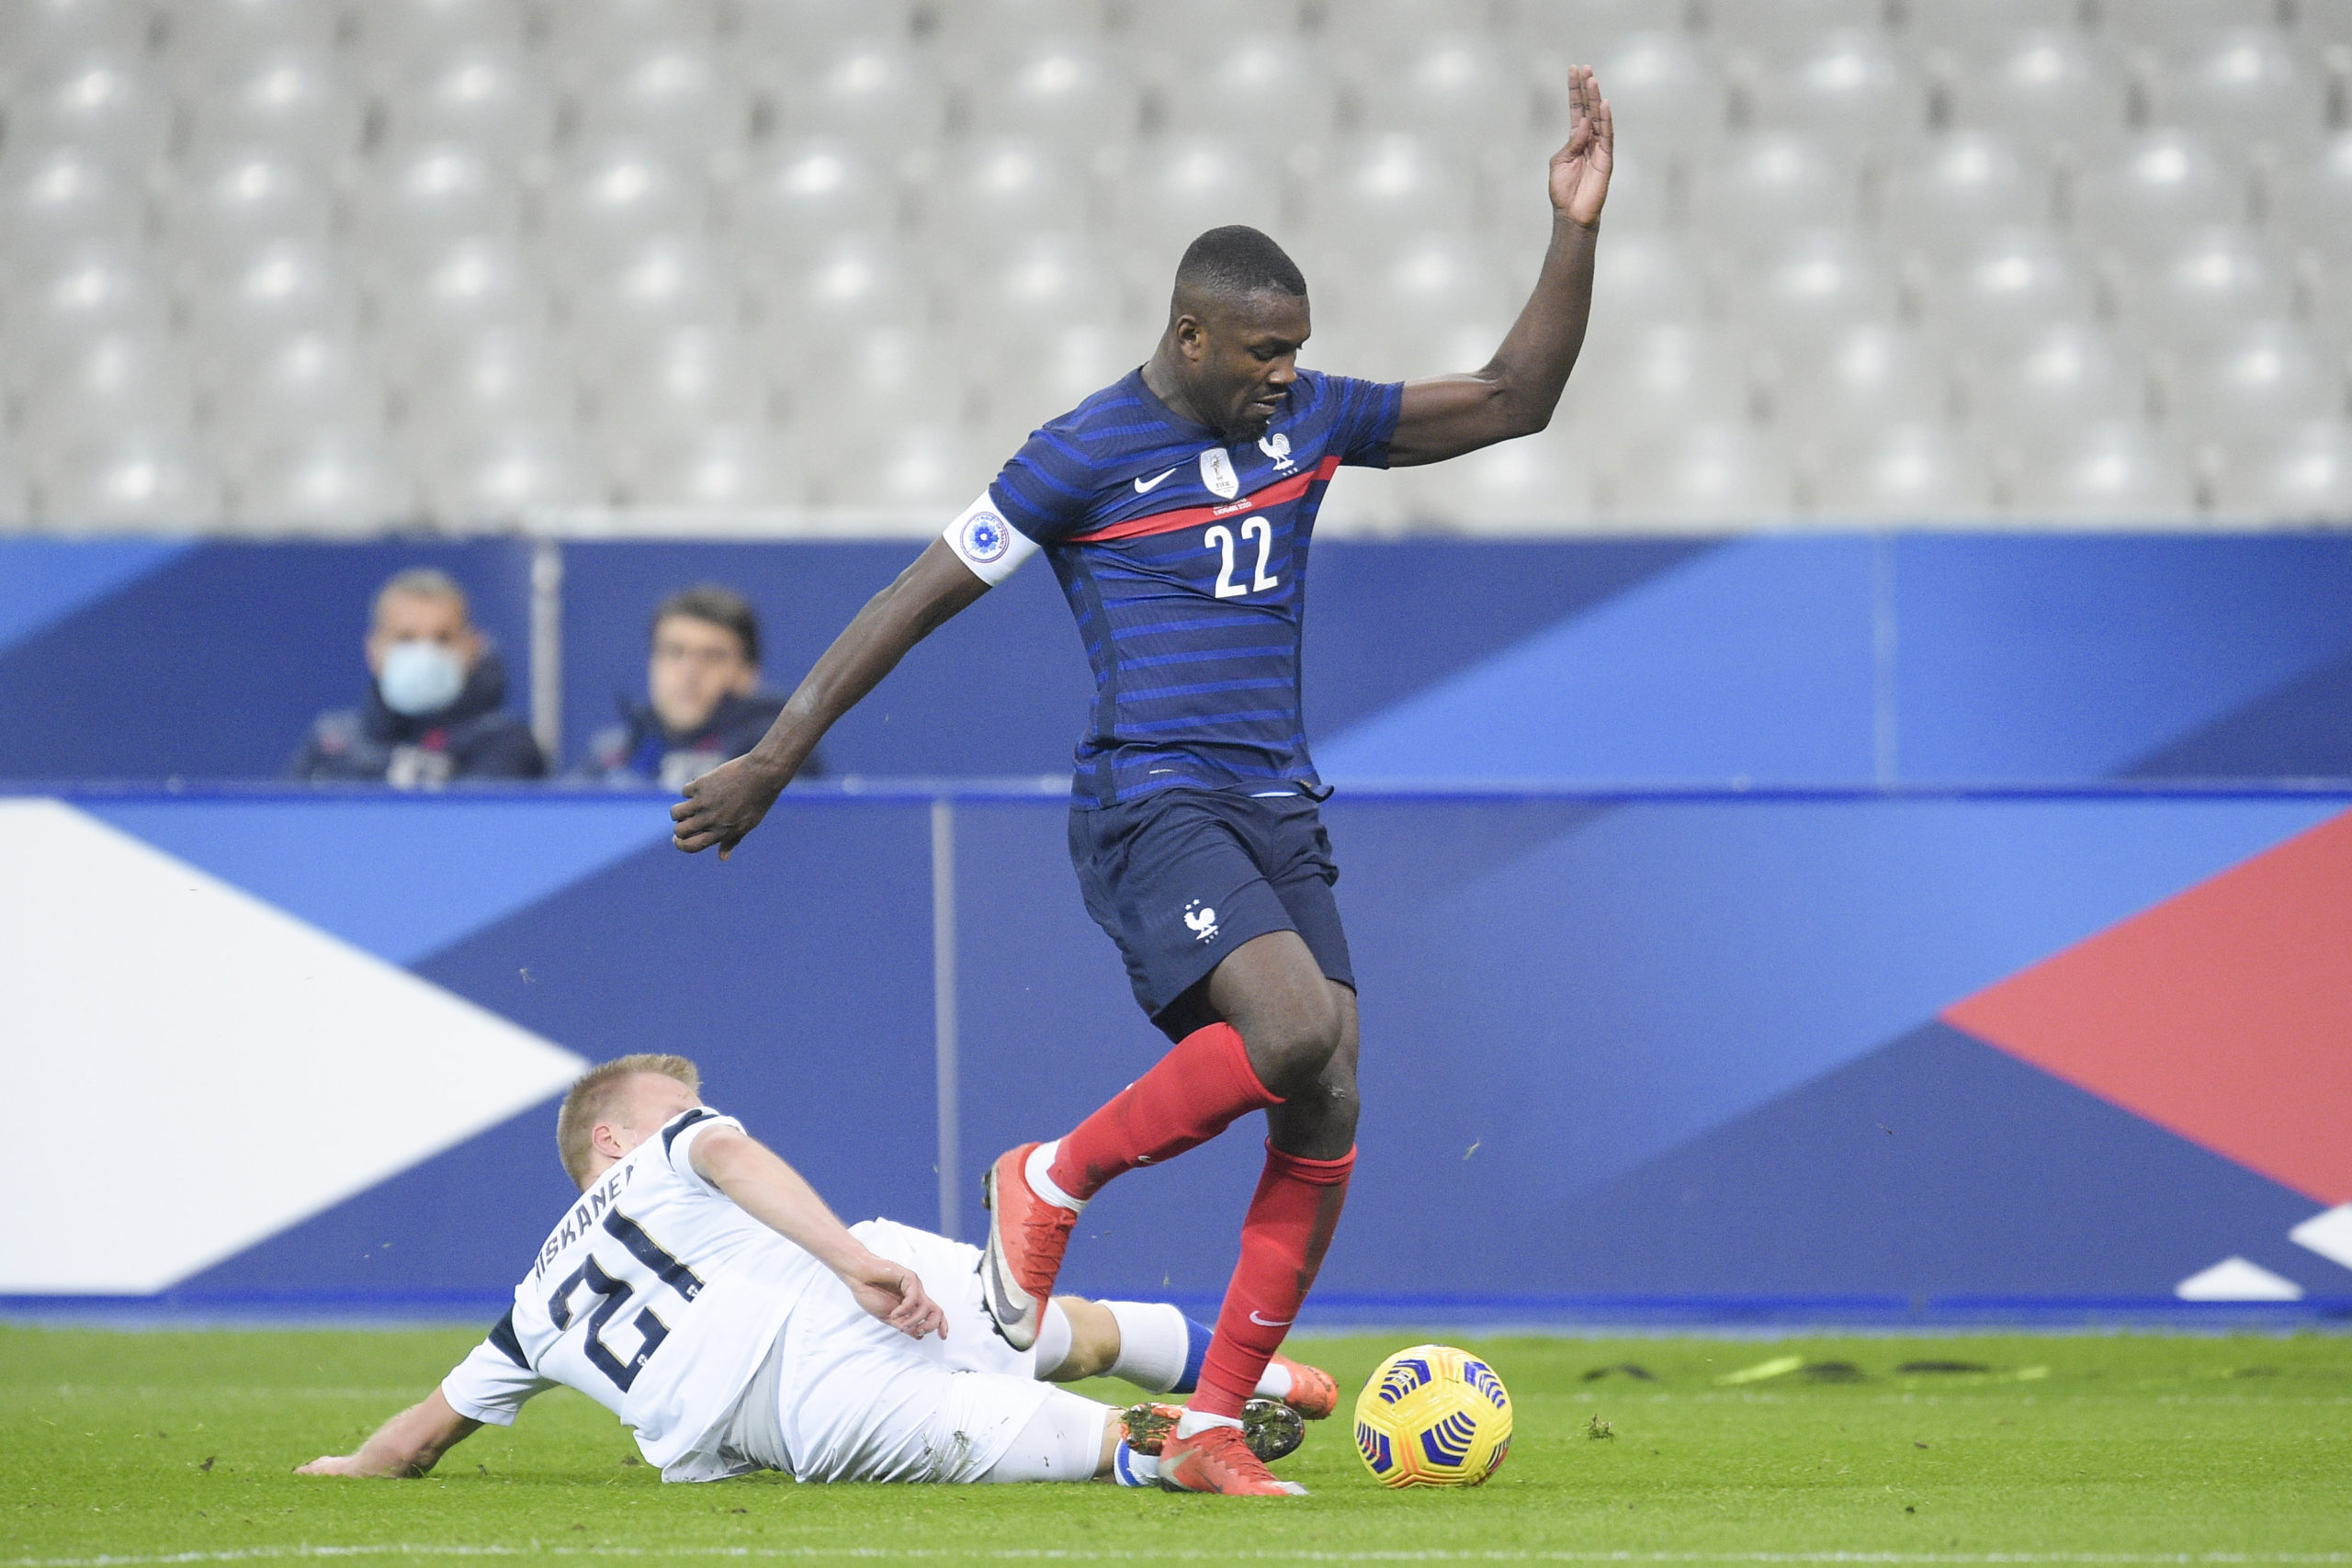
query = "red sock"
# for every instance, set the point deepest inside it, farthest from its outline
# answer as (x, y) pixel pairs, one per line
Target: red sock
(1188, 1098)
(1283, 1242)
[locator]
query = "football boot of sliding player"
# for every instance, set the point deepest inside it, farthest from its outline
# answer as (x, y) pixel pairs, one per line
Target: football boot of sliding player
(1272, 1428)
(1313, 1394)
(1026, 1238)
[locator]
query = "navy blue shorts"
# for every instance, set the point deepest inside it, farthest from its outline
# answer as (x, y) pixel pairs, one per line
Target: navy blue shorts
(1181, 877)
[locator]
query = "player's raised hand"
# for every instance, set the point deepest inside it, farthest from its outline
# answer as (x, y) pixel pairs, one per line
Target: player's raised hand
(722, 806)
(894, 1293)
(1580, 170)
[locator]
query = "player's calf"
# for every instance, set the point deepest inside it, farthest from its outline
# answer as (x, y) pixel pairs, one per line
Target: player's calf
(1156, 1346)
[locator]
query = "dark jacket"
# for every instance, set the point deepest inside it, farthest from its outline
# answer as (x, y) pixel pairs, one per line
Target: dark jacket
(641, 751)
(471, 738)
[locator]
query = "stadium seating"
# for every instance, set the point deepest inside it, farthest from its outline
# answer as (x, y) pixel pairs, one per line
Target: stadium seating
(2067, 375)
(1922, 470)
(474, 92)
(269, 260)
(2113, 471)
(57, 198)
(133, 476)
(323, 481)
(713, 468)
(306, 381)
(297, 100)
(2050, 87)
(2267, 377)
(2010, 284)
(1940, 201)
(1836, 387)
(2302, 475)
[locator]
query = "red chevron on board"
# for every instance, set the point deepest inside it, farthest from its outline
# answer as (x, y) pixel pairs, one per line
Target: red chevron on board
(2224, 1014)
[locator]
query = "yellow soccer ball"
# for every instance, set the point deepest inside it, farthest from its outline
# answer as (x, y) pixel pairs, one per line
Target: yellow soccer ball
(1433, 1416)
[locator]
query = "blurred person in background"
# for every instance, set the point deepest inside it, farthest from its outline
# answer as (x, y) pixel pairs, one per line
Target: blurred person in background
(435, 708)
(704, 705)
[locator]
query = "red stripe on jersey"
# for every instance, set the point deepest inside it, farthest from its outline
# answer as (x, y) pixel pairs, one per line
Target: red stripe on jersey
(1273, 494)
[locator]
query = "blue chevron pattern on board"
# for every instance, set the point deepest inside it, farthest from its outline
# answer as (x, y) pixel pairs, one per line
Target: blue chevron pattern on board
(2043, 659)
(42, 582)
(1684, 1038)
(400, 877)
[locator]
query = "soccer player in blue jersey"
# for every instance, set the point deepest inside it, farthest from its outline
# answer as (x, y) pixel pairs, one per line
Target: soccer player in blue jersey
(1176, 507)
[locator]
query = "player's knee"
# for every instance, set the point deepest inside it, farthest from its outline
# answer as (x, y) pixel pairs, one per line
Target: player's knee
(1299, 1043)
(1327, 1115)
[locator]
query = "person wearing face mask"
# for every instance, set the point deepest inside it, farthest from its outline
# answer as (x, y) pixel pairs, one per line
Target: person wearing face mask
(433, 710)
(704, 704)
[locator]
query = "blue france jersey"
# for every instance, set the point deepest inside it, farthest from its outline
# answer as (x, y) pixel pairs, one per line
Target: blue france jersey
(1185, 560)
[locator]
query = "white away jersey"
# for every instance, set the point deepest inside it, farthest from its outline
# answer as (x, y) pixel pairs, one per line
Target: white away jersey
(657, 1297)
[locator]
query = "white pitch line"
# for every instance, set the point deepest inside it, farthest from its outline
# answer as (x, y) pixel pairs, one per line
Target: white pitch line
(419, 1548)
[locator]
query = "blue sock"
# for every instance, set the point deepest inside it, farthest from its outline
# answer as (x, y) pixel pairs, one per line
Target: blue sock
(1197, 1350)
(1129, 1468)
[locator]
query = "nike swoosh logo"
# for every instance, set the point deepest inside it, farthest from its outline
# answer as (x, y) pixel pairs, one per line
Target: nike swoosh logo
(1269, 1323)
(1145, 487)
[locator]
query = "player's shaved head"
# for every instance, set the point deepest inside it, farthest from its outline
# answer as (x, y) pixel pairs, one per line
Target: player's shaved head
(1235, 326)
(1226, 267)
(597, 1093)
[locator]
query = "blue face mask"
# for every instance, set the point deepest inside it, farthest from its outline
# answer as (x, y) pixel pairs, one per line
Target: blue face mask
(420, 677)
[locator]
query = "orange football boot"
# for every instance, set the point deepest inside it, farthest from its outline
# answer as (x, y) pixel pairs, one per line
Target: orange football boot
(1026, 1238)
(1313, 1394)
(1218, 1459)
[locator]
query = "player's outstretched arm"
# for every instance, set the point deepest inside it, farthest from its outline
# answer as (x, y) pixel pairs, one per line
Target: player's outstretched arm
(727, 802)
(1516, 391)
(410, 1444)
(772, 1192)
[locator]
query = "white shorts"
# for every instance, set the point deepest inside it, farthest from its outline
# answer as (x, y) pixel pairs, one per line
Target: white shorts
(859, 1401)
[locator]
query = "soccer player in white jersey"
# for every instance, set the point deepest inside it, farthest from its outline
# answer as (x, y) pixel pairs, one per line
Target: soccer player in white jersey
(704, 1294)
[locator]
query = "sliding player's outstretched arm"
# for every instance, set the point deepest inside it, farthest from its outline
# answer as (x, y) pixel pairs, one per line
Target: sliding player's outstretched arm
(410, 1444)
(1514, 395)
(772, 1192)
(727, 802)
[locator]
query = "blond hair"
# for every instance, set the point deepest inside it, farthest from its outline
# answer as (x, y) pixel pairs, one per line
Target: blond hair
(591, 1098)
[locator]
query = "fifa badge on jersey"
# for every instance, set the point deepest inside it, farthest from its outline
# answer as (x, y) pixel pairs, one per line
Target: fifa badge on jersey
(1217, 472)
(984, 536)
(1277, 446)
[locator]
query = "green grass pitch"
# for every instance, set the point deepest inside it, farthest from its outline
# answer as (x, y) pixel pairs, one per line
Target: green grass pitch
(171, 1447)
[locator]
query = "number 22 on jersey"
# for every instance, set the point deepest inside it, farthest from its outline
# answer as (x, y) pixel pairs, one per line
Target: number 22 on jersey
(1221, 538)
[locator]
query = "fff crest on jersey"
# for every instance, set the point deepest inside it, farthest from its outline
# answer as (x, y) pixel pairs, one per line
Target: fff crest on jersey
(1217, 472)
(1277, 446)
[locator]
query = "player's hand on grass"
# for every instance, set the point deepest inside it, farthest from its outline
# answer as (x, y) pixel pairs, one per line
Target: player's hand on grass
(343, 1465)
(894, 1292)
(724, 804)
(1580, 169)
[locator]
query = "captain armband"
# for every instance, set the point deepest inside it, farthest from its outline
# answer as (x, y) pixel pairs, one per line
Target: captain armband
(984, 541)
